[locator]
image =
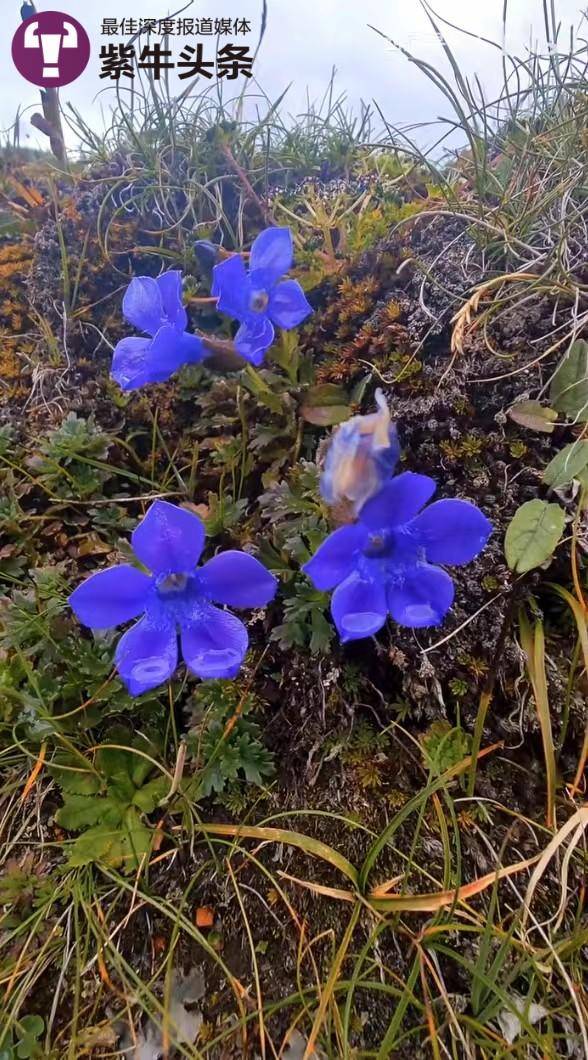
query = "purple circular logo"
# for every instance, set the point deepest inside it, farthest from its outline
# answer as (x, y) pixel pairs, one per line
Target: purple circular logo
(50, 49)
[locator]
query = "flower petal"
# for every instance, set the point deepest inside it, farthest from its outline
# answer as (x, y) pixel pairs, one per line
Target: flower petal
(237, 579)
(336, 558)
(271, 253)
(168, 352)
(288, 305)
(254, 337)
(358, 607)
(451, 531)
(215, 646)
(422, 598)
(147, 655)
(137, 362)
(110, 597)
(129, 363)
(170, 288)
(169, 539)
(142, 304)
(398, 501)
(231, 285)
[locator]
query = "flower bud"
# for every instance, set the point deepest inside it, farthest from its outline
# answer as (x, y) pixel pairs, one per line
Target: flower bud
(361, 456)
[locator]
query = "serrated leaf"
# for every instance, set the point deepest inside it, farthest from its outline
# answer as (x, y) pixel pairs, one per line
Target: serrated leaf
(569, 387)
(140, 768)
(93, 845)
(79, 811)
(533, 415)
(114, 762)
(567, 465)
(119, 845)
(121, 788)
(254, 760)
(148, 797)
(533, 534)
(75, 781)
(322, 634)
(261, 390)
(135, 840)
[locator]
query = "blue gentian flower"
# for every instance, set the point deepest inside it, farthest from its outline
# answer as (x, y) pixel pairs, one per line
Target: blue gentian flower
(175, 596)
(256, 299)
(362, 454)
(155, 307)
(386, 562)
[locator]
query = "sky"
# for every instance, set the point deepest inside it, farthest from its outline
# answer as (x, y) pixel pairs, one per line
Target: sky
(304, 40)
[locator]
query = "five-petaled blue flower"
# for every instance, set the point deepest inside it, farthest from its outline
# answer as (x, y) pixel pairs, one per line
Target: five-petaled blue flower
(386, 562)
(176, 596)
(256, 299)
(155, 307)
(362, 454)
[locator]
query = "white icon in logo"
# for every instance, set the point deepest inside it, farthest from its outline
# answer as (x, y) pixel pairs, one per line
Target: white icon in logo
(51, 44)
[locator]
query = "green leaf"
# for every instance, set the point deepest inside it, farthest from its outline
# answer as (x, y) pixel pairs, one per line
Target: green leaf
(322, 633)
(148, 797)
(286, 353)
(32, 1026)
(444, 746)
(115, 832)
(259, 387)
(135, 841)
(79, 811)
(140, 768)
(325, 405)
(122, 789)
(114, 762)
(93, 845)
(119, 845)
(567, 465)
(569, 387)
(533, 415)
(72, 779)
(254, 759)
(533, 534)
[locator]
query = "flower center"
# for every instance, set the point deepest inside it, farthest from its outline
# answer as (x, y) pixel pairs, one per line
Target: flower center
(172, 583)
(177, 597)
(378, 544)
(259, 301)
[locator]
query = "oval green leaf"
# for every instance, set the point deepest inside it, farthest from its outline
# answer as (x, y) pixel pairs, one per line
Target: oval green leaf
(533, 534)
(569, 387)
(567, 465)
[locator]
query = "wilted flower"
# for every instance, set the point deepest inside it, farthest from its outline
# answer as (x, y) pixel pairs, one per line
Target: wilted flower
(386, 562)
(175, 597)
(362, 455)
(155, 307)
(256, 299)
